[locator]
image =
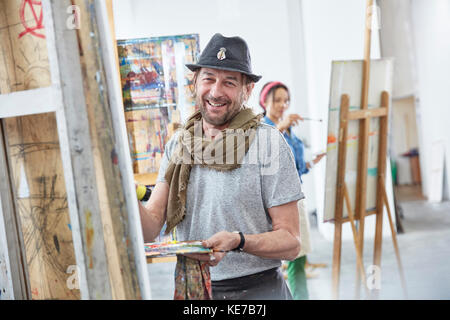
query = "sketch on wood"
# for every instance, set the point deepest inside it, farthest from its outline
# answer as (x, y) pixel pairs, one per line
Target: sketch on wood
(346, 79)
(34, 155)
(43, 209)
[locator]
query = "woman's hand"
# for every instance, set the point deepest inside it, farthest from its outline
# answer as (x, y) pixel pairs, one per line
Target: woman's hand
(316, 160)
(319, 157)
(290, 120)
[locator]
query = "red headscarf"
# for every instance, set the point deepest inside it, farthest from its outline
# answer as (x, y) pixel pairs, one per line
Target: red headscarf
(265, 92)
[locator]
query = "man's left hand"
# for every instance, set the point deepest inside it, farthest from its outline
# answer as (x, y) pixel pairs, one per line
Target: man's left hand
(221, 243)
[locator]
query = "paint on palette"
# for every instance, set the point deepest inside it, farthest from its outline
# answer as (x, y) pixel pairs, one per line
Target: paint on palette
(167, 249)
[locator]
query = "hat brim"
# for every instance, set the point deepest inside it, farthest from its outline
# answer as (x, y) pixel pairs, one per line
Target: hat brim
(193, 67)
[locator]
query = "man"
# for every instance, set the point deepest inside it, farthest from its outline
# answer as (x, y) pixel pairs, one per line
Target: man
(246, 208)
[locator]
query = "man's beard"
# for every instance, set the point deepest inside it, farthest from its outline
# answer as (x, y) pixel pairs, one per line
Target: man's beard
(232, 109)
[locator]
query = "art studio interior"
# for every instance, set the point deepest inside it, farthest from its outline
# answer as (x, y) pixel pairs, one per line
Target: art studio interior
(92, 91)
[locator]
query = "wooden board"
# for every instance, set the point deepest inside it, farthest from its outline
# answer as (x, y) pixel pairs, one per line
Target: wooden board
(34, 155)
(346, 79)
(35, 159)
(113, 209)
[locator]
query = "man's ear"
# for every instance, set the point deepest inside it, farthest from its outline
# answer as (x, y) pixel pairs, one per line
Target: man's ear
(250, 88)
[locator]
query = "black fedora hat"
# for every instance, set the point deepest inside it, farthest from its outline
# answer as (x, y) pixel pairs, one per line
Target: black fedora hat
(226, 53)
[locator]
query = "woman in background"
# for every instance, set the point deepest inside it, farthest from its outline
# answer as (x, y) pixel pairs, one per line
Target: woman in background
(275, 100)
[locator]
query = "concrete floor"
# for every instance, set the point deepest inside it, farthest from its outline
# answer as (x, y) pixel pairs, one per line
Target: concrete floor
(424, 249)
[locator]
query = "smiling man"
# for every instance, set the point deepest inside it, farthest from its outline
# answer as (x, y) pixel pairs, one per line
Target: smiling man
(245, 209)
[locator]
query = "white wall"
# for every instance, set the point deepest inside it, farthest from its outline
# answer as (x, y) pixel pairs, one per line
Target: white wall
(262, 23)
(431, 36)
(291, 41)
(272, 29)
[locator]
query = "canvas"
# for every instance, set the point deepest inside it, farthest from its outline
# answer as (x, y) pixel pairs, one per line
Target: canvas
(346, 78)
(156, 89)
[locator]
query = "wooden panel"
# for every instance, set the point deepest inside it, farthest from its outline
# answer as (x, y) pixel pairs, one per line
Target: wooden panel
(42, 204)
(15, 273)
(121, 260)
(34, 155)
(109, 54)
(23, 53)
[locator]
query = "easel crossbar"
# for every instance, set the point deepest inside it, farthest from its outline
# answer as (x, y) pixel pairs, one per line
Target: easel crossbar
(367, 113)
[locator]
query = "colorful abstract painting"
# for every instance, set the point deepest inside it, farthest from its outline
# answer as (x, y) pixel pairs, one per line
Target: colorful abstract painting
(156, 88)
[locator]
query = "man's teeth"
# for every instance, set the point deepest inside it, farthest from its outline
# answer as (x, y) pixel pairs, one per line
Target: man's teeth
(216, 104)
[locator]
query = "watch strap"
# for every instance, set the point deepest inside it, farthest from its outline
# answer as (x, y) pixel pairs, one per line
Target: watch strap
(240, 247)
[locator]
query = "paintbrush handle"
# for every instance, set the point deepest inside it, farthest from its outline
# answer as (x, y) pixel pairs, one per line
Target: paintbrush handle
(320, 120)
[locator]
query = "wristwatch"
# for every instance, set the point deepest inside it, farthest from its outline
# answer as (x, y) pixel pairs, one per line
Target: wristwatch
(240, 247)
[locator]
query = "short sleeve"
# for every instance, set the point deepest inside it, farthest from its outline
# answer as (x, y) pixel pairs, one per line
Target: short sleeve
(162, 168)
(168, 150)
(280, 179)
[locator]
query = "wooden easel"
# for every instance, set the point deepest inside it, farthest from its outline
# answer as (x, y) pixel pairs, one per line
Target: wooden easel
(364, 116)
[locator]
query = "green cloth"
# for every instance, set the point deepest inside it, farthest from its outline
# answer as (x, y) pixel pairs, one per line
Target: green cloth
(297, 278)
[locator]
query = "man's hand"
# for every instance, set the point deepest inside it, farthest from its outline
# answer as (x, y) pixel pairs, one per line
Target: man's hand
(221, 242)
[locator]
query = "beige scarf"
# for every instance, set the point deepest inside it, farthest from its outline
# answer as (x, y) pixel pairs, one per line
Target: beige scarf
(223, 153)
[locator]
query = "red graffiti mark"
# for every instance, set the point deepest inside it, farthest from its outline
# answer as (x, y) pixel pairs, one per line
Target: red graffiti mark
(32, 4)
(34, 292)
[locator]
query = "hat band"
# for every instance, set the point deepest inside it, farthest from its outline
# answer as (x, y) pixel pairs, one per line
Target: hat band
(224, 64)
(265, 92)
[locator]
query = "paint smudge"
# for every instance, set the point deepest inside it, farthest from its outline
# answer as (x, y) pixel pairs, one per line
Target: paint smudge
(89, 237)
(70, 226)
(34, 293)
(114, 157)
(372, 172)
(331, 139)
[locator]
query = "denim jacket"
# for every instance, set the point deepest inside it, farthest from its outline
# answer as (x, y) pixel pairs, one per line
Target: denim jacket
(296, 146)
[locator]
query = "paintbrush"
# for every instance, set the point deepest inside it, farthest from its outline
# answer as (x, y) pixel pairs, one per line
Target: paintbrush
(309, 119)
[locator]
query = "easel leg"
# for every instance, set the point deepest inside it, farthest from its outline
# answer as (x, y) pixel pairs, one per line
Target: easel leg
(359, 259)
(394, 241)
(360, 249)
(336, 258)
(343, 127)
(382, 154)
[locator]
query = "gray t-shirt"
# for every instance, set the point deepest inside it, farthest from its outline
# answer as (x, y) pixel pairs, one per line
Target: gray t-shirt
(238, 200)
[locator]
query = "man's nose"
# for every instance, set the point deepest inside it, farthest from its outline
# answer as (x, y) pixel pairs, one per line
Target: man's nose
(216, 90)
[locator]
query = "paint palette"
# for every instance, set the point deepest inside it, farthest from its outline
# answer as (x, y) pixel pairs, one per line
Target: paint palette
(172, 248)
